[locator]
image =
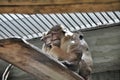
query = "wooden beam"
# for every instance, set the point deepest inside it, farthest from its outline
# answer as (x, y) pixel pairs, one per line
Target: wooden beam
(52, 2)
(57, 6)
(32, 60)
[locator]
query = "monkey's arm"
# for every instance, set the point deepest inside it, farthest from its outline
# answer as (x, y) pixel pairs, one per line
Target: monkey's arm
(86, 53)
(60, 54)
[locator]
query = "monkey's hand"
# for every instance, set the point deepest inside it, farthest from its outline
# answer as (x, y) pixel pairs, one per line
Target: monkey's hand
(74, 66)
(84, 70)
(56, 52)
(56, 43)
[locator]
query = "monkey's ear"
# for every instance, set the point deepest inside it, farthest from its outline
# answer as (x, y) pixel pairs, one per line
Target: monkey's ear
(80, 34)
(43, 35)
(64, 29)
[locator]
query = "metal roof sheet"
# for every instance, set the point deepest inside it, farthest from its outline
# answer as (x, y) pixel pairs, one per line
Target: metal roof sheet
(31, 26)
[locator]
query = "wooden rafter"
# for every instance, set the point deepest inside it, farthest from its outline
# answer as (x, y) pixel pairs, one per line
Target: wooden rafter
(57, 6)
(32, 60)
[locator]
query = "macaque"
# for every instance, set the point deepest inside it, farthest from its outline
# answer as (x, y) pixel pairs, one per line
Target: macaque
(70, 48)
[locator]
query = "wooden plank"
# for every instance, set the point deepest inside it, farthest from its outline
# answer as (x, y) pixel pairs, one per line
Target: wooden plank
(32, 60)
(52, 2)
(57, 6)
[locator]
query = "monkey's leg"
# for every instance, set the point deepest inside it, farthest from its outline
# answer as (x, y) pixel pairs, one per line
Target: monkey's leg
(73, 66)
(84, 70)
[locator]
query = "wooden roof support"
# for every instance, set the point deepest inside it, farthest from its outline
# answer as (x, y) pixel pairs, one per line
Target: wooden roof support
(32, 60)
(57, 6)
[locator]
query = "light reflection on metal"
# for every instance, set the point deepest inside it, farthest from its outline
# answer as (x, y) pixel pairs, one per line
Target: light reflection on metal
(32, 26)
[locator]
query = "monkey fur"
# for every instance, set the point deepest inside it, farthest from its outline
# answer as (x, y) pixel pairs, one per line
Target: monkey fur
(69, 48)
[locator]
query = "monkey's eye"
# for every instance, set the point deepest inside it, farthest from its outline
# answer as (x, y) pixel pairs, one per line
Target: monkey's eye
(81, 37)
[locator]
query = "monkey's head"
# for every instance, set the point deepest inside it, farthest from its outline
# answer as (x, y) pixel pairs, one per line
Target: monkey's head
(54, 35)
(79, 34)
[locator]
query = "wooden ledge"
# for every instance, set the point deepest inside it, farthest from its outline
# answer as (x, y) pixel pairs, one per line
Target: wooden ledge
(32, 60)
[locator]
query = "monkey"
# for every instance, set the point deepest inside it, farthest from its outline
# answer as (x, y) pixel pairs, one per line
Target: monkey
(84, 64)
(69, 48)
(51, 37)
(54, 37)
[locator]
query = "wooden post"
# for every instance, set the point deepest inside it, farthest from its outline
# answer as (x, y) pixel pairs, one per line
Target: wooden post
(32, 60)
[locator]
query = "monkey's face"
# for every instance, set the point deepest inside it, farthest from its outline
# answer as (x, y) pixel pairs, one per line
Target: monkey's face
(46, 38)
(58, 36)
(52, 38)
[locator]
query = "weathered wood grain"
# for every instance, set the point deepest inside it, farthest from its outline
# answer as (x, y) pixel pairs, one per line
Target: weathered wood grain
(34, 61)
(57, 6)
(53, 2)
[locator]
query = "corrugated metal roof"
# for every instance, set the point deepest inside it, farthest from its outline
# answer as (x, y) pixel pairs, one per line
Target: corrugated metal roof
(31, 26)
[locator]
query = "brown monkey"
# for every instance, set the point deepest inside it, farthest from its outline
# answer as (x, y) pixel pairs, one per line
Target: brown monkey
(71, 47)
(53, 40)
(76, 44)
(52, 37)
(87, 57)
